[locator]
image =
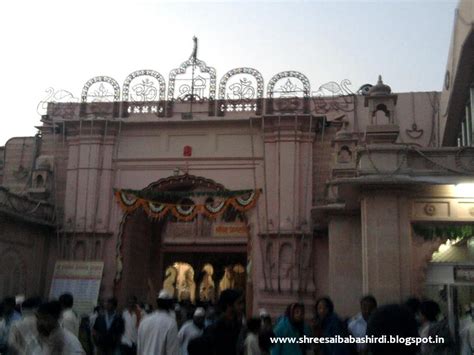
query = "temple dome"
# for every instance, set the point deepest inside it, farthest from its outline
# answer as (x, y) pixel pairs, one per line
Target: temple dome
(380, 88)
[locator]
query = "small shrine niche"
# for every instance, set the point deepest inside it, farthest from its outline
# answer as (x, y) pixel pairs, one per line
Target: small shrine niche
(345, 144)
(41, 178)
(382, 127)
(381, 115)
(344, 155)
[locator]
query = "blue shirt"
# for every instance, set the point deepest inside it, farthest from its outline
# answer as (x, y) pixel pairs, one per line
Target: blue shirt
(5, 326)
(109, 319)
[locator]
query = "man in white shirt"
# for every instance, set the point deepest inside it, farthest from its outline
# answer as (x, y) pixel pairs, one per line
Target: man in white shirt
(132, 316)
(69, 319)
(52, 338)
(9, 317)
(191, 329)
(158, 333)
(358, 325)
(24, 332)
(251, 344)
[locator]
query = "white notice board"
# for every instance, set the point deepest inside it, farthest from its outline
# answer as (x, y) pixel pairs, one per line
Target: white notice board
(81, 279)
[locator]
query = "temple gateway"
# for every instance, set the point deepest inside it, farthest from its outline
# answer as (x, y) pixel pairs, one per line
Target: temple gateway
(199, 183)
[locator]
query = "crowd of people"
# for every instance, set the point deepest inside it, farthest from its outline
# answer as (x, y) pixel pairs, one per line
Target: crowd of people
(52, 327)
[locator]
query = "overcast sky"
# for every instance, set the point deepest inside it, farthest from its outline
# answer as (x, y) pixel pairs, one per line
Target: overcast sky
(62, 44)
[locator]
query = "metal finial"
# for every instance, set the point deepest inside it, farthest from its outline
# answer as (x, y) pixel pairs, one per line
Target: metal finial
(194, 53)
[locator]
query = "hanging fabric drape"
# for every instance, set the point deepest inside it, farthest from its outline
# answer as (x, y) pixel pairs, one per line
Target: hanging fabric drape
(217, 202)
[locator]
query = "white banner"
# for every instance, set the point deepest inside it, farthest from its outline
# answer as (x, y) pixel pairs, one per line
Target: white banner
(81, 279)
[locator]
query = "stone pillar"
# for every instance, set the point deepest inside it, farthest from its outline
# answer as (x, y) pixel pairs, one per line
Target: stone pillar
(288, 164)
(386, 241)
(345, 263)
(286, 244)
(89, 174)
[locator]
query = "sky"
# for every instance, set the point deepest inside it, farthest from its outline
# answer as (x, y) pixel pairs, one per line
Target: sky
(62, 44)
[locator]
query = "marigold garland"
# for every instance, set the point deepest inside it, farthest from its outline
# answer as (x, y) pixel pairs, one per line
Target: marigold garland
(431, 231)
(241, 200)
(155, 210)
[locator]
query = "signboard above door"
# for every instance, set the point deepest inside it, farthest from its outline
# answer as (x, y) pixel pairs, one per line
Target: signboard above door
(230, 230)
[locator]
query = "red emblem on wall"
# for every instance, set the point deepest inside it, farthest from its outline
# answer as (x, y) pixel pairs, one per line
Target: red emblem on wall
(187, 151)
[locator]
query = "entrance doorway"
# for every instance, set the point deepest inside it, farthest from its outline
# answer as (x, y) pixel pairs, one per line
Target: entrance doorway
(194, 259)
(450, 282)
(199, 277)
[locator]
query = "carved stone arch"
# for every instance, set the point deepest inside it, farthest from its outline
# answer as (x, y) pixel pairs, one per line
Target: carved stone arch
(289, 74)
(182, 69)
(13, 273)
(270, 264)
(80, 250)
(97, 250)
(233, 72)
(304, 262)
(101, 79)
(145, 72)
(270, 259)
(285, 258)
(286, 266)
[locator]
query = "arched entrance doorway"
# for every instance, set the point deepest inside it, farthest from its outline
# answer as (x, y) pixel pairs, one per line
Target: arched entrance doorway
(193, 258)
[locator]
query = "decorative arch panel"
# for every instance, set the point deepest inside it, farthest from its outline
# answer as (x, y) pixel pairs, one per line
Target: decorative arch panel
(144, 91)
(241, 89)
(192, 81)
(101, 89)
(288, 91)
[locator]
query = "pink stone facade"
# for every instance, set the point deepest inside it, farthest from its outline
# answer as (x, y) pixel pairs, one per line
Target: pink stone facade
(328, 222)
(343, 180)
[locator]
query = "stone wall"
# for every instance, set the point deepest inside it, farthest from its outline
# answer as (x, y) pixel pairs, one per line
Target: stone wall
(24, 253)
(20, 155)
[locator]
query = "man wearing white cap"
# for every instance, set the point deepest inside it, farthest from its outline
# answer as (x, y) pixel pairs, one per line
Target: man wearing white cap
(191, 329)
(158, 333)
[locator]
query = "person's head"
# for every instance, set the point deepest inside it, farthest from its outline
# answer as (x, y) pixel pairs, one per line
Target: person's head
(413, 305)
(164, 301)
(199, 316)
(66, 300)
(429, 311)
(295, 313)
(253, 325)
(265, 318)
(324, 308)
(392, 320)
(47, 317)
(368, 304)
(211, 313)
(8, 305)
(111, 305)
(31, 304)
(132, 302)
(231, 304)
(177, 310)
